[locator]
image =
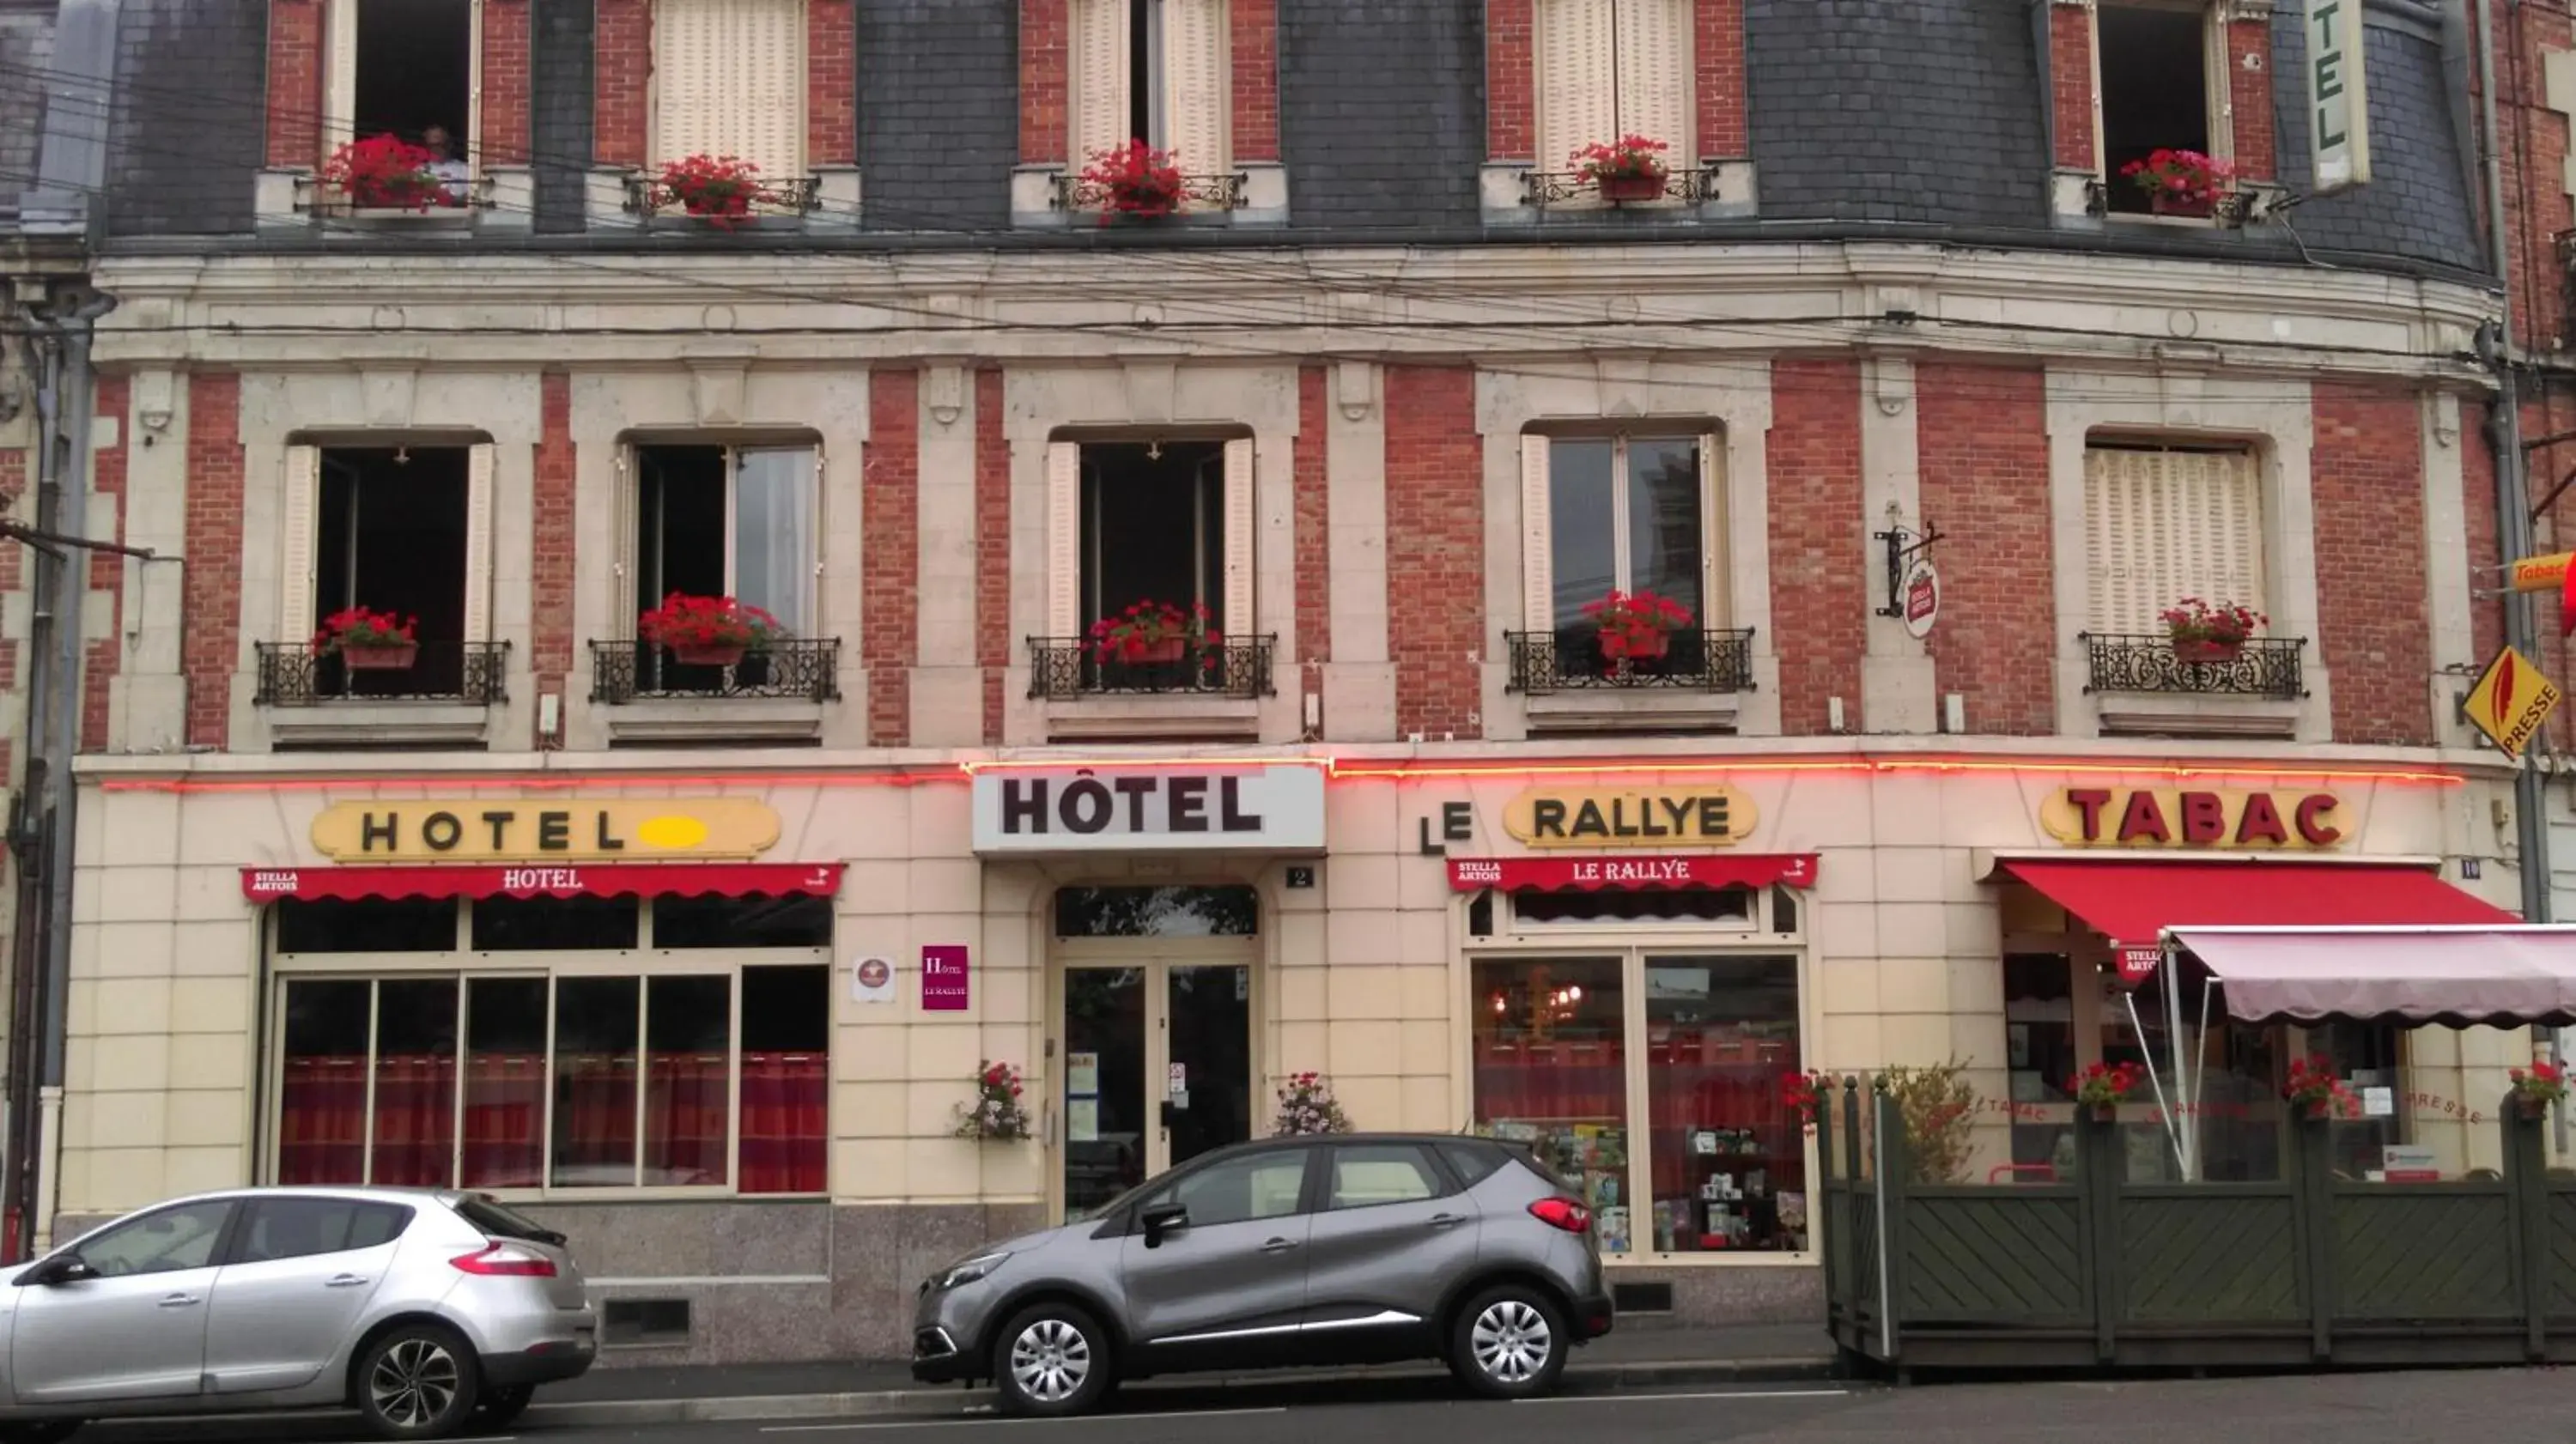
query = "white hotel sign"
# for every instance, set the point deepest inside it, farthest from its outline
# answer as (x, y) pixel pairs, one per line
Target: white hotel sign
(1249, 808)
(2338, 98)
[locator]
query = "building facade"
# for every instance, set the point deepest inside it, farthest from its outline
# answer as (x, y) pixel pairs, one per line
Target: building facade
(1911, 403)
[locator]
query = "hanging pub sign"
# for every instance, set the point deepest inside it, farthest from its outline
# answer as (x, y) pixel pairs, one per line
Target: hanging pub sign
(556, 829)
(1711, 815)
(2149, 817)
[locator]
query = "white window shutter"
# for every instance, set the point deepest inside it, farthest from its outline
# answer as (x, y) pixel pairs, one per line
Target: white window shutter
(1195, 89)
(627, 524)
(2164, 525)
(1097, 57)
(1717, 594)
(1577, 79)
(472, 140)
(1654, 74)
(1538, 574)
(1238, 620)
(1064, 539)
(339, 76)
(295, 578)
(478, 542)
(729, 79)
(2112, 539)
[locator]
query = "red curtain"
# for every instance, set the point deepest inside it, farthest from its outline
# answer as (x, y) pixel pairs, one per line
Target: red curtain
(784, 1139)
(505, 1116)
(1553, 1082)
(684, 1119)
(595, 1127)
(322, 1121)
(415, 1143)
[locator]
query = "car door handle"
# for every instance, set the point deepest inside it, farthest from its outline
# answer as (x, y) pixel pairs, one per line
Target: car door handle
(1279, 1245)
(178, 1301)
(344, 1281)
(1446, 1220)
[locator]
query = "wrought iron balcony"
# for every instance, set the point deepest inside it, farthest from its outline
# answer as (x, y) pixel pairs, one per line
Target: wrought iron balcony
(807, 668)
(2235, 207)
(1062, 667)
(2263, 667)
(456, 204)
(1560, 188)
(1719, 661)
(796, 196)
(1198, 193)
(293, 674)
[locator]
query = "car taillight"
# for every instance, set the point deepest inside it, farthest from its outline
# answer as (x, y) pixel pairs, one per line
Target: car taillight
(506, 1260)
(1562, 1213)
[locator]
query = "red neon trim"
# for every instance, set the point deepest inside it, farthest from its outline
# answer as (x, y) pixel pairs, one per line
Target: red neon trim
(1595, 874)
(624, 783)
(527, 880)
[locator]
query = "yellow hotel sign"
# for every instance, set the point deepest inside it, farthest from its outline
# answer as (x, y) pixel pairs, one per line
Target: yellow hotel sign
(1711, 816)
(2510, 701)
(554, 829)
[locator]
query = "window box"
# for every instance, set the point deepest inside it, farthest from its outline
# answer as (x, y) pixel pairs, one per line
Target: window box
(1571, 660)
(293, 674)
(2257, 667)
(774, 201)
(804, 668)
(1198, 194)
(1067, 667)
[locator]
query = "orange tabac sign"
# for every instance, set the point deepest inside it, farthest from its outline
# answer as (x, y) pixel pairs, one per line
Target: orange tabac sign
(2192, 817)
(2542, 574)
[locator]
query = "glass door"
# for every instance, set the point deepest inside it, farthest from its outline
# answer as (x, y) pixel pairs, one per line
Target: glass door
(1157, 1070)
(1207, 1068)
(1105, 1122)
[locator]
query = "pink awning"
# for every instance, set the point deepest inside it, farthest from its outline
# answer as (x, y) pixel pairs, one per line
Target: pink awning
(526, 880)
(2503, 976)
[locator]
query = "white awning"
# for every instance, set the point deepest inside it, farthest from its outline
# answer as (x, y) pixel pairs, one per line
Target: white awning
(2501, 975)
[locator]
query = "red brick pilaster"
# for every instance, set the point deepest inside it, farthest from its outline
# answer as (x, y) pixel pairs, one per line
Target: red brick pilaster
(1312, 481)
(2368, 474)
(1982, 434)
(1717, 48)
(106, 569)
(1435, 550)
(1819, 620)
(1045, 60)
(831, 82)
(554, 561)
(992, 547)
(504, 140)
(1511, 82)
(890, 552)
(2070, 83)
(210, 640)
(294, 84)
(2249, 93)
(1254, 45)
(621, 78)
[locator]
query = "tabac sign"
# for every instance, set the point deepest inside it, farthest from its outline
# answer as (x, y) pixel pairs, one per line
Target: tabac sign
(2149, 817)
(556, 829)
(1714, 815)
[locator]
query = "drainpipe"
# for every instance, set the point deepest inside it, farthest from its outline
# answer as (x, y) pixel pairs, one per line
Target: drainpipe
(28, 820)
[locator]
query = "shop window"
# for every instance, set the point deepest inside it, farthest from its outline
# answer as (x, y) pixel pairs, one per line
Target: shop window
(1156, 71)
(407, 68)
(786, 1062)
(1156, 912)
(404, 530)
(2040, 1039)
(723, 521)
(1608, 69)
(366, 925)
(547, 924)
(1551, 1043)
(1157, 521)
(1624, 513)
(505, 1083)
(729, 80)
(2157, 58)
(2164, 523)
(742, 922)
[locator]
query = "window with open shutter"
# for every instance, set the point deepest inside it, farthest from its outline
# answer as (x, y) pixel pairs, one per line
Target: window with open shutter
(1653, 56)
(1097, 55)
(1195, 85)
(2162, 525)
(1158, 71)
(406, 68)
(296, 541)
(729, 80)
(1613, 68)
(478, 542)
(1064, 539)
(1238, 618)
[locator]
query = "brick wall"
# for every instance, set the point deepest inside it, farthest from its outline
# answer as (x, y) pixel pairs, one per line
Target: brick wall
(554, 564)
(106, 570)
(1819, 603)
(210, 640)
(2537, 207)
(2070, 83)
(1983, 443)
(294, 83)
(505, 82)
(1435, 550)
(890, 550)
(992, 546)
(1254, 49)
(1045, 123)
(621, 77)
(2368, 476)
(1511, 78)
(2249, 82)
(831, 82)
(1313, 548)
(1718, 56)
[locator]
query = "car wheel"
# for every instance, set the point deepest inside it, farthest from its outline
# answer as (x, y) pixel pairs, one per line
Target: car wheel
(1051, 1361)
(1508, 1343)
(498, 1407)
(418, 1382)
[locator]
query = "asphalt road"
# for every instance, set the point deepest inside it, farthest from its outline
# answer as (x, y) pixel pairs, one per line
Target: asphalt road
(2417, 1408)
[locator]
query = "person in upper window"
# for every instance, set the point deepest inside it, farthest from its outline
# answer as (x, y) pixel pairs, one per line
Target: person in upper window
(453, 174)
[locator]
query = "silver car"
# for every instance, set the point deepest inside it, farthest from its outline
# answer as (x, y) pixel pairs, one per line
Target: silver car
(1360, 1248)
(421, 1310)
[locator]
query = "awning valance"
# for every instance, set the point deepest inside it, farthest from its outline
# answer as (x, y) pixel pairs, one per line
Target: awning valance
(1595, 873)
(526, 880)
(2504, 976)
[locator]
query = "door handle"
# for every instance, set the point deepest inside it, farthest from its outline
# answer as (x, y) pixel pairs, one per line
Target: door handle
(178, 1301)
(1279, 1245)
(1446, 1220)
(344, 1281)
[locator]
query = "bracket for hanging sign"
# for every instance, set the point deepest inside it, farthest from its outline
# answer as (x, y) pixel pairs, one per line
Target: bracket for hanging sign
(1904, 547)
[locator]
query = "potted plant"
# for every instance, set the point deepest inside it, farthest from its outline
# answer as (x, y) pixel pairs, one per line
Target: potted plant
(1307, 1105)
(1636, 626)
(2103, 1087)
(385, 172)
(707, 631)
(714, 188)
(1153, 632)
(2537, 1087)
(369, 641)
(1136, 180)
(2180, 182)
(996, 1114)
(2316, 1092)
(2203, 632)
(1630, 168)
(1806, 1095)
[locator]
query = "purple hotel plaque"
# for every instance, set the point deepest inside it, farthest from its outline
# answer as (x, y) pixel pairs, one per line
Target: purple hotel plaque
(943, 978)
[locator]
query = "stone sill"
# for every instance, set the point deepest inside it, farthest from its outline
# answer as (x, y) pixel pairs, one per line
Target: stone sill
(1611, 710)
(689, 721)
(1503, 197)
(2143, 714)
(1175, 717)
(1265, 202)
(379, 724)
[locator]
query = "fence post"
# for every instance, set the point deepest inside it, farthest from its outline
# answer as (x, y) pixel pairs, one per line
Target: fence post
(2100, 1161)
(2526, 1177)
(1822, 1228)
(1894, 1167)
(2314, 1176)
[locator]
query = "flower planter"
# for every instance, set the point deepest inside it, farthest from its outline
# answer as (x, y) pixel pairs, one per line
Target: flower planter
(709, 655)
(2530, 1105)
(2205, 651)
(2197, 207)
(1145, 205)
(1139, 654)
(393, 657)
(1644, 645)
(2106, 1112)
(1632, 187)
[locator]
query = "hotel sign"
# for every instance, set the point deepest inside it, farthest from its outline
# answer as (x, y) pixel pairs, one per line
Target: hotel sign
(1245, 808)
(2152, 817)
(1662, 818)
(554, 830)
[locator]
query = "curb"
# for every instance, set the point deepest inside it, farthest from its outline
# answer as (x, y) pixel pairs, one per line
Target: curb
(612, 1413)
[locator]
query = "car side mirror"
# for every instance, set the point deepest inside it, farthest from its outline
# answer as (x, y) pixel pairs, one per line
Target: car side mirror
(1163, 1219)
(66, 1269)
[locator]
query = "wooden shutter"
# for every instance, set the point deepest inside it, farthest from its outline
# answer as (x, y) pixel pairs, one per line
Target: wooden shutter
(1239, 620)
(1194, 85)
(1577, 79)
(478, 542)
(339, 76)
(2164, 525)
(729, 79)
(1653, 53)
(1717, 591)
(296, 546)
(1064, 539)
(1538, 570)
(1097, 57)
(472, 140)
(626, 528)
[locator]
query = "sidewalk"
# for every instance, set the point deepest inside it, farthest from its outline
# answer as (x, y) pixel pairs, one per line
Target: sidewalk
(1637, 1356)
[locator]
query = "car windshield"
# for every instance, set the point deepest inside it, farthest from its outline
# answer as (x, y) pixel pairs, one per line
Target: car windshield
(499, 1222)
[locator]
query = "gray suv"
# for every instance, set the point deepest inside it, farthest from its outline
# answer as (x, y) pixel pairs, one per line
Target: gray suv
(1357, 1248)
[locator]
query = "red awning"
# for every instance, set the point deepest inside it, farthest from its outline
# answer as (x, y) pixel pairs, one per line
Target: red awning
(2132, 903)
(1594, 873)
(525, 880)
